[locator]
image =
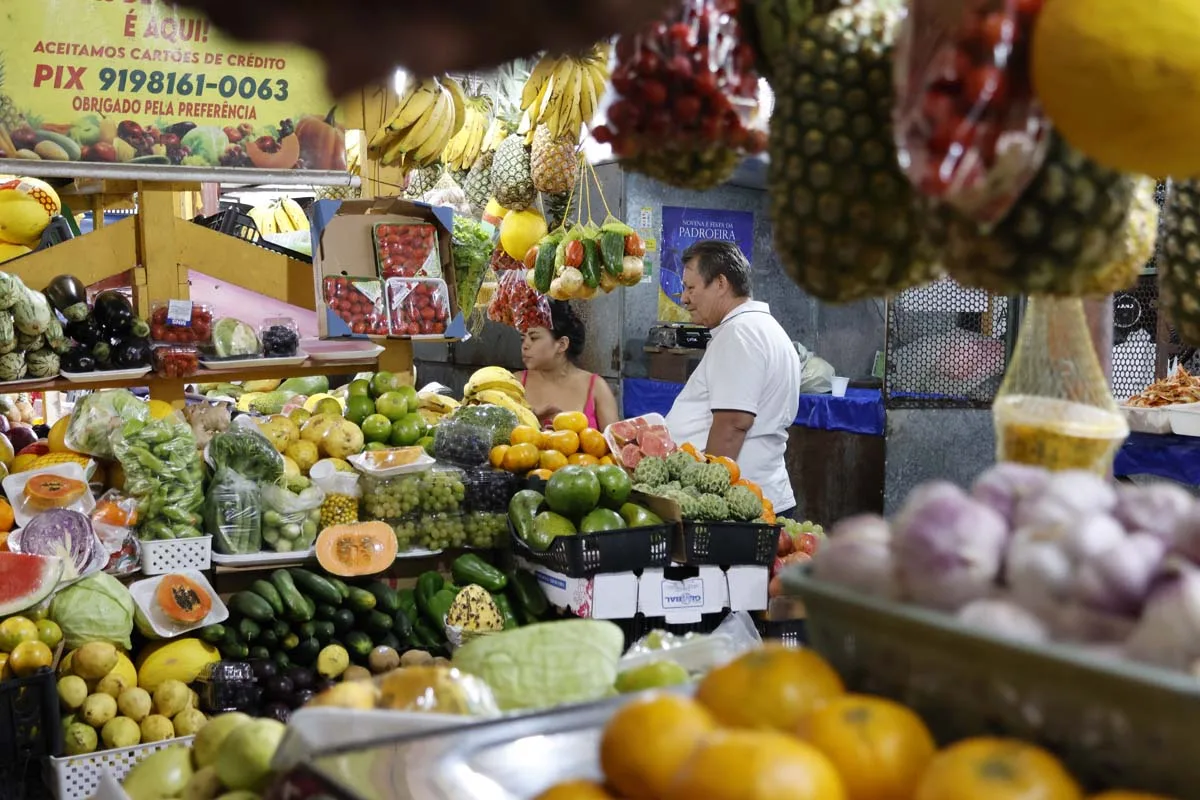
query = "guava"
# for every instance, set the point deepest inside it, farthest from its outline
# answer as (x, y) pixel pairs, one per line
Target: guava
(157, 728)
(72, 691)
(98, 709)
(79, 739)
(189, 722)
(171, 697)
(121, 732)
(244, 760)
(134, 703)
(208, 741)
(160, 775)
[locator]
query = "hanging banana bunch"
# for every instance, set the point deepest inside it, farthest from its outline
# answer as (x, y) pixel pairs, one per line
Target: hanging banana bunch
(563, 92)
(429, 114)
(466, 145)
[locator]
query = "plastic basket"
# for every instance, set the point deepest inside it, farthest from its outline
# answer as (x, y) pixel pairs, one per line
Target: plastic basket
(584, 555)
(791, 632)
(160, 556)
(1112, 722)
(76, 777)
(30, 731)
(235, 222)
(729, 544)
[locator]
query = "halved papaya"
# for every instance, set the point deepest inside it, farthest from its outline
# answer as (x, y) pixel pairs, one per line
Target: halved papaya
(361, 548)
(182, 599)
(47, 490)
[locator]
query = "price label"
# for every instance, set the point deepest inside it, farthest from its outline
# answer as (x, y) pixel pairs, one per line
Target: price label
(677, 595)
(179, 313)
(372, 290)
(645, 218)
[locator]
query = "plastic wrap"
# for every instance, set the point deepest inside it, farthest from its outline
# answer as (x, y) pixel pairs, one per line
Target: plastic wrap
(233, 513)
(280, 337)
(97, 416)
(687, 89)
(430, 531)
(502, 261)
(359, 302)
(164, 473)
(419, 306)
(698, 653)
(342, 491)
(487, 489)
(517, 304)
(194, 326)
(407, 250)
(968, 127)
(390, 498)
(290, 520)
(113, 520)
(425, 688)
(176, 361)
(472, 244)
(461, 442)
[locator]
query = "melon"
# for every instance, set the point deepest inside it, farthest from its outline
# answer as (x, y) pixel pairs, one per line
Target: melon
(26, 580)
(26, 207)
(520, 231)
(357, 549)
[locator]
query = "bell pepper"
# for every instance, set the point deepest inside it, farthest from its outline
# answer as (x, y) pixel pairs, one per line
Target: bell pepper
(504, 606)
(470, 568)
(428, 584)
(522, 509)
(408, 602)
(529, 597)
(439, 607)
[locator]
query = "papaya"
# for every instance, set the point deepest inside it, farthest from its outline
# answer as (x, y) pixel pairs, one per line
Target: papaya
(362, 548)
(47, 490)
(182, 599)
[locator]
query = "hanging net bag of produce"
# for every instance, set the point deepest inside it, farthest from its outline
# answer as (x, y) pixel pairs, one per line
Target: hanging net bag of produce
(1055, 409)
(688, 91)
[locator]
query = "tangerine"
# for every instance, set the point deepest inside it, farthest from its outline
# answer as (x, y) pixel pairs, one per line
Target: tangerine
(735, 472)
(771, 687)
(14, 631)
(986, 768)
(520, 457)
(879, 747)
(591, 441)
(756, 765)
(496, 455)
(7, 521)
(574, 421)
(583, 460)
(608, 461)
(551, 460)
(525, 434)
(648, 740)
(565, 442)
(576, 790)
(544, 474)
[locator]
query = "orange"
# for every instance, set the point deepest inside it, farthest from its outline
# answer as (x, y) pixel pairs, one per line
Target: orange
(521, 457)
(608, 461)
(544, 474)
(3, 541)
(574, 421)
(648, 740)
(996, 769)
(583, 460)
(496, 455)
(1120, 794)
(691, 450)
(525, 434)
(772, 687)
(575, 790)
(730, 466)
(756, 765)
(28, 657)
(591, 441)
(879, 747)
(565, 442)
(6, 516)
(551, 460)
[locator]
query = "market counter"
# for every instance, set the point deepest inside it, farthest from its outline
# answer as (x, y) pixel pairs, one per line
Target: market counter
(835, 454)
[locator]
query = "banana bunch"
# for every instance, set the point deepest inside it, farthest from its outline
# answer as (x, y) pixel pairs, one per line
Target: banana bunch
(434, 406)
(497, 132)
(283, 216)
(499, 387)
(466, 145)
(563, 92)
(429, 114)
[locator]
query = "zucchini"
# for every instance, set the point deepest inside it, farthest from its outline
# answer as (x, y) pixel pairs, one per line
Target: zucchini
(258, 651)
(360, 600)
(295, 605)
(213, 634)
(339, 584)
(591, 265)
(313, 585)
(376, 622)
(358, 645)
(543, 267)
(248, 630)
(386, 598)
(251, 605)
(267, 592)
(306, 652)
(325, 611)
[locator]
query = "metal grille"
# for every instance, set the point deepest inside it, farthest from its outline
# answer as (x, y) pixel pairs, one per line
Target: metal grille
(947, 347)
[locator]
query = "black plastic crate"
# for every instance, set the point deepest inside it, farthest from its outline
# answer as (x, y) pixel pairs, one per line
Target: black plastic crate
(791, 632)
(586, 554)
(57, 232)
(729, 544)
(30, 731)
(235, 222)
(638, 626)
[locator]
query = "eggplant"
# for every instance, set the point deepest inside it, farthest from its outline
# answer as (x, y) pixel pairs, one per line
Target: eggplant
(139, 329)
(113, 312)
(279, 689)
(301, 697)
(68, 296)
(101, 352)
(278, 712)
(85, 331)
(77, 359)
(301, 677)
(130, 353)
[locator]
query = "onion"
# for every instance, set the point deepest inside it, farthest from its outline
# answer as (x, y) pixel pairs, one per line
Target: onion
(1003, 618)
(1038, 570)
(1067, 497)
(1186, 538)
(1158, 508)
(1005, 485)
(1168, 633)
(858, 555)
(948, 546)
(1118, 579)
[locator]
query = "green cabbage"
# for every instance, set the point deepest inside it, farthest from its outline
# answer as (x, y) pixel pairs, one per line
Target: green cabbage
(547, 664)
(97, 609)
(206, 142)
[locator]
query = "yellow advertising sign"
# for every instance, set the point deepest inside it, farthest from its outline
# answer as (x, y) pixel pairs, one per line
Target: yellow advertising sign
(145, 82)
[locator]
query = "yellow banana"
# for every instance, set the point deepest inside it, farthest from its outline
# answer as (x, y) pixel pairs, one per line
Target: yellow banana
(460, 103)
(415, 106)
(588, 100)
(264, 219)
(420, 132)
(283, 224)
(395, 156)
(295, 214)
(536, 83)
(430, 147)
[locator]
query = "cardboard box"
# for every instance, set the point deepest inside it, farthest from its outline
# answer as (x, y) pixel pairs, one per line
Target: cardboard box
(343, 246)
(609, 595)
(682, 594)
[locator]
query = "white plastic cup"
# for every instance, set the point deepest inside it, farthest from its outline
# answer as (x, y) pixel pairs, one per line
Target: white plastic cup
(839, 386)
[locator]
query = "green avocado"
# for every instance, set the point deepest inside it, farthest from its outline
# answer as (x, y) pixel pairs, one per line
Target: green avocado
(546, 527)
(637, 517)
(600, 520)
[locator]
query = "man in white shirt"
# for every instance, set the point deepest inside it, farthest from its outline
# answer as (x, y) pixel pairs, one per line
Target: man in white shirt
(745, 392)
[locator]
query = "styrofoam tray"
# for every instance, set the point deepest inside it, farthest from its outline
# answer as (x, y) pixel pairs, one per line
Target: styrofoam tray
(264, 558)
(653, 418)
(340, 350)
(221, 365)
(1149, 420)
(152, 622)
(1185, 419)
(101, 376)
(14, 489)
(363, 464)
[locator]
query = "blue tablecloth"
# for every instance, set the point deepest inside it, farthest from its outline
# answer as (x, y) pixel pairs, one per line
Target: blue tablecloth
(1163, 455)
(860, 411)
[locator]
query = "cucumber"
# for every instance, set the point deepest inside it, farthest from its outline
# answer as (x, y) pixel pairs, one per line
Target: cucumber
(325, 611)
(543, 268)
(358, 645)
(376, 622)
(295, 605)
(281, 629)
(360, 600)
(344, 620)
(267, 592)
(268, 638)
(306, 652)
(213, 634)
(339, 584)
(323, 630)
(389, 640)
(314, 586)
(386, 598)
(281, 658)
(248, 630)
(235, 651)
(402, 625)
(251, 605)
(591, 266)
(306, 630)
(612, 251)
(258, 651)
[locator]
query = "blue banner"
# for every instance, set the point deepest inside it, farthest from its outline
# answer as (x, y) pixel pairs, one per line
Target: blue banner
(680, 228)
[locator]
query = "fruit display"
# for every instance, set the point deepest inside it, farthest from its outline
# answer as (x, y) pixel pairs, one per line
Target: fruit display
(406, 251)
(540, 453)
(639, 437)
(706, 490)
(428, 113)
(419, 307)
(442, 508)
(281, 216)
(359, 302)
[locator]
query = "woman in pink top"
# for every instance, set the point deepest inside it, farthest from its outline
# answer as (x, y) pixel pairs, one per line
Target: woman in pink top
(552, 381)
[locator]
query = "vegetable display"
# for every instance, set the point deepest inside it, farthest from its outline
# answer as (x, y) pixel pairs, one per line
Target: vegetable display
(248, 452)
(472, 248)
(164, 473)
(233, 513)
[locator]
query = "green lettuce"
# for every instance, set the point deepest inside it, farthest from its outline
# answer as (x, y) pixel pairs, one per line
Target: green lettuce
(97, 609)
(207, 142)
(547, 664)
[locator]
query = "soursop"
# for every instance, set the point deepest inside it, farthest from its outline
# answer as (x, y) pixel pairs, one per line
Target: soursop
(646, 488)
(713, 507)
(689, 506)
(651, 470)
(744, 504)
(707, 478)
(678, 462)
(474, 610)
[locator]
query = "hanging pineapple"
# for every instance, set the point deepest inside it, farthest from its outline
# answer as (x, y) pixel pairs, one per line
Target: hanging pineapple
(1179, 261)
(554, 162)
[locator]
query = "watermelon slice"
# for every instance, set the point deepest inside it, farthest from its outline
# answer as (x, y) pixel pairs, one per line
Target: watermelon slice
(26, 580)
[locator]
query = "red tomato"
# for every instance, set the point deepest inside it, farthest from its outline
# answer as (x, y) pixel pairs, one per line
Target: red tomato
(634, 246)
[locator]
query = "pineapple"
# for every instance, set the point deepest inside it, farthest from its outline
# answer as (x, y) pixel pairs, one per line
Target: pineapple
(337, 192)
(1179, 261)
(555, 163)
(10, 117)
(512, 181)
(687, 168)
(478, 184)
(423, 179)
(1130, 260)
(847, 224)
(555, 209)
(1068, 225)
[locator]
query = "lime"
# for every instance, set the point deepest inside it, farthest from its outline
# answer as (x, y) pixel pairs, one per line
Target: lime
(359, 386)
(376, 428)
(49, 632)
(15, 630)
(378, 446)
(426, 444)
(417, 420)
(410, 397)
(393, 405)
(655, 675)
(405, 433)
(359, 407)
(384, 382)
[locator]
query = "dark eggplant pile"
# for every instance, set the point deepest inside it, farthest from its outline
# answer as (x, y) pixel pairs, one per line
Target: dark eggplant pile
(108, 335)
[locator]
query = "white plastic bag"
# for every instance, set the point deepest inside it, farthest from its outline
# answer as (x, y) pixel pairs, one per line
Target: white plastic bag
(816, 376)
(698, 653)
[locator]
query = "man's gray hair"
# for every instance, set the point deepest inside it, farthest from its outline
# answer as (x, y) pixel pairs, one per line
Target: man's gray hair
(715, 258)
